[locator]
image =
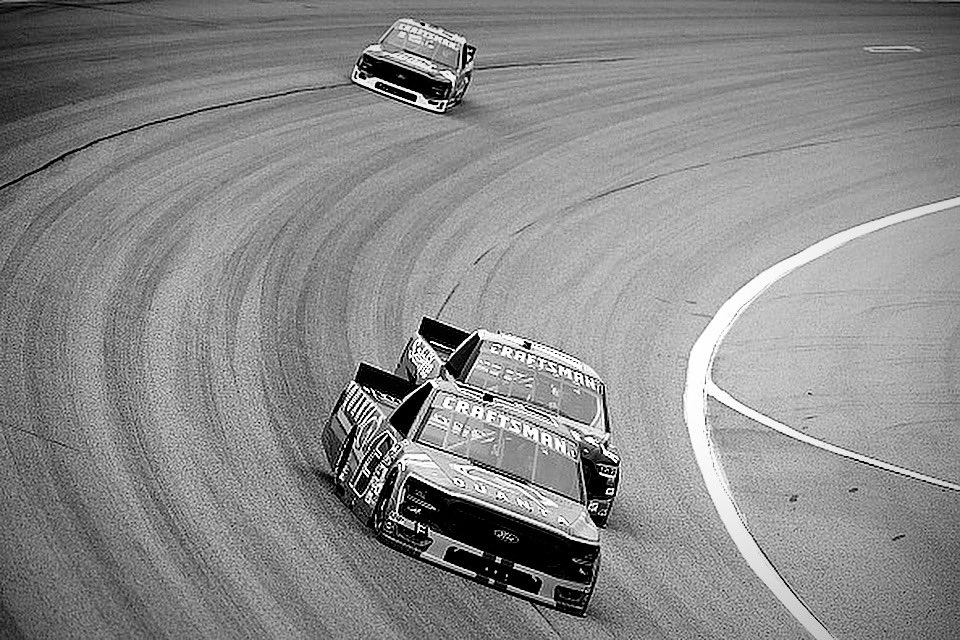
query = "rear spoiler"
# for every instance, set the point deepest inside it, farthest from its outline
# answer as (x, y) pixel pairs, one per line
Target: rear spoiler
(383, 382)
(441, 334)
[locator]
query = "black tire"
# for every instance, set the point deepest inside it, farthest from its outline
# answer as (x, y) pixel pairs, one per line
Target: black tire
(457, 99)
(378, 517)
(342, 461)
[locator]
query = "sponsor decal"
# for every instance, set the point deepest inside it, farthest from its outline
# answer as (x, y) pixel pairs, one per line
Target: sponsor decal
(530, 501)
(506, 536)
(363, 413)
(419, 35)
(492, 416)
(539, 363)
(423, 357)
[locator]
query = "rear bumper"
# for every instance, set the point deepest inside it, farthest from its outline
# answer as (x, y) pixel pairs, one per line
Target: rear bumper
(418, 540)
(396, 91)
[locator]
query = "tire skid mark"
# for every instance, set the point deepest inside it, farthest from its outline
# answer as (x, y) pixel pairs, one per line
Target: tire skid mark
(108, 7)
(482, 256)
(755, 154)
(165, 120)
(125, 368)
(643, 181)
(40, 436)
(523, 228)
(447, 299)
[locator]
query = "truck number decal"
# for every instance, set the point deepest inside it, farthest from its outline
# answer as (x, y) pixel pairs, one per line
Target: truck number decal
(361, 481)
(365, 415)
(423, 357)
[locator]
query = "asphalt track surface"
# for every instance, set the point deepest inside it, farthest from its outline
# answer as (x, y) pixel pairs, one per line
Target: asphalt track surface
(204, 226)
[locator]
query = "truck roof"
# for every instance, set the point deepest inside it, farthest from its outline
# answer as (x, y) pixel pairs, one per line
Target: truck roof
(539, 349)
(436, 29)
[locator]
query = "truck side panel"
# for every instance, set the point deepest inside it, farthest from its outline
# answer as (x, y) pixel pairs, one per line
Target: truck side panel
(359, 435)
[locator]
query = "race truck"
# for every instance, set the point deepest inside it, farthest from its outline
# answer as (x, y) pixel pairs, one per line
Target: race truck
(418, 63)
(474, 483)
(545, 378)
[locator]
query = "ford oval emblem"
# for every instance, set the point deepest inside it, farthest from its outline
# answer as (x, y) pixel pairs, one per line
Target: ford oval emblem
(506, 536)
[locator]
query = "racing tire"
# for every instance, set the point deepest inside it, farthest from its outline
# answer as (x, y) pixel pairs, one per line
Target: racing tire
(378, 517)
(342, 461)
(466, 85)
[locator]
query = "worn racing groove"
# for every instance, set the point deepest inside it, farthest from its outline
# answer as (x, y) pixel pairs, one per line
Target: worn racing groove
(204, 227)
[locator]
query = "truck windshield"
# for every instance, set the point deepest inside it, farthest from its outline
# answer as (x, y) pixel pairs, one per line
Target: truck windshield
(562, 390)
(423, 43)
(524, 450)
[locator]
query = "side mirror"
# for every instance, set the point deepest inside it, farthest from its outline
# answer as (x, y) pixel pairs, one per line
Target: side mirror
(471, 52)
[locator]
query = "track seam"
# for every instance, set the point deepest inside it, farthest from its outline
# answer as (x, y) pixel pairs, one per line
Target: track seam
(754, 154)
(42, 437)
(165, 120)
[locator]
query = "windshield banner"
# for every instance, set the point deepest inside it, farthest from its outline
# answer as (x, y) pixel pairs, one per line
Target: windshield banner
(418, 35)
(542, 364)
(492, 416)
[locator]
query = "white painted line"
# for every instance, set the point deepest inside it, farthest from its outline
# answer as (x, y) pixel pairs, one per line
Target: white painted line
(699, 366)
(892, 48)
(739, 407)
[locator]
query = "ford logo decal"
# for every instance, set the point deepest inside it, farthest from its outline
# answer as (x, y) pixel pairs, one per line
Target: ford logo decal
(506, 536)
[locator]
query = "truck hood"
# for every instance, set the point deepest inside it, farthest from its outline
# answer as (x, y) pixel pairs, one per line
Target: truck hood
(411, 62)
(461, 478)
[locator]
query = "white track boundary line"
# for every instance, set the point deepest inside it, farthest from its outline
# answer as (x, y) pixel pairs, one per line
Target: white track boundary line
(790, 432)
(699, 383)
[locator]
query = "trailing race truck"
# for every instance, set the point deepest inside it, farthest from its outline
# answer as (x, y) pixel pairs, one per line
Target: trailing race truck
(547, 380)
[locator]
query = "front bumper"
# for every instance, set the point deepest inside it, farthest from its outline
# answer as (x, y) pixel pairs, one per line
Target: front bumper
(416, 539)
(396, 91)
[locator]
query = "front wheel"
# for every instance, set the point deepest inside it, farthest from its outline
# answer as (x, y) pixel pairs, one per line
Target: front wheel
(379, 516)
(459, 97)
(338, 487)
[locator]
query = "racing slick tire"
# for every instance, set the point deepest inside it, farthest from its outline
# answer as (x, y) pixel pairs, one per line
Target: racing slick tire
(379, 516)
(466, 85)
(341, 462)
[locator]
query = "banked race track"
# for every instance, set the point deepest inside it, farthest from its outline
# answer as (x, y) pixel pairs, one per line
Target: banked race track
(204, 227)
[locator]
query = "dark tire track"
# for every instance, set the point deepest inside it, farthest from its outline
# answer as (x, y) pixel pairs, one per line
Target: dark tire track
(226, 227)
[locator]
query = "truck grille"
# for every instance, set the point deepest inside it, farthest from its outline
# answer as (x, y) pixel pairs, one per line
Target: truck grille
(505, 537)
(428, 87)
